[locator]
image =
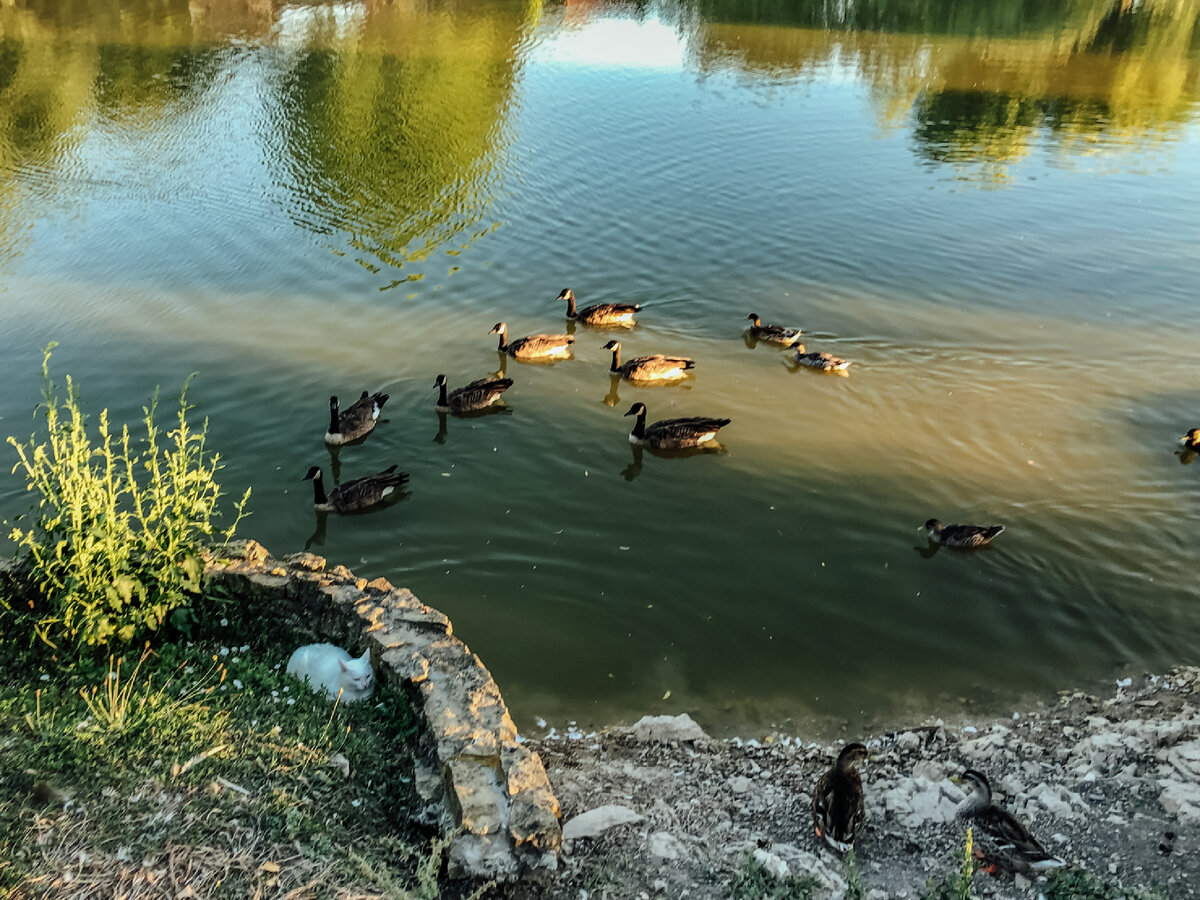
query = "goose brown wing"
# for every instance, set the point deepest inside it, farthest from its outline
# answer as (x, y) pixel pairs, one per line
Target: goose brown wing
(776, 333)
(361, 493)
(684, 429)
(657, 364)
(359, 416)
(608, 310)
(478, 393)
(540, 343)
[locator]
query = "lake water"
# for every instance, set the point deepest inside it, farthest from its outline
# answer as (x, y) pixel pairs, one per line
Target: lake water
(993, 209)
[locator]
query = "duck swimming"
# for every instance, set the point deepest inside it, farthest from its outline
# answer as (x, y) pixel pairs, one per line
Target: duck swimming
(355, 421)
(773, 334)
(620, 314)
(358, 495)
(536, 346)
(477, 395)
(673, 434)
(821, 361)
(961, 537)
(648, 368)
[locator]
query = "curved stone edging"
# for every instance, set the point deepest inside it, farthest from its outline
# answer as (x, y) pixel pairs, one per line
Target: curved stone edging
(488, 794)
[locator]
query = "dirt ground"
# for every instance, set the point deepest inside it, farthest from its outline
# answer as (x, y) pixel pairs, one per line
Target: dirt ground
(1111, 785)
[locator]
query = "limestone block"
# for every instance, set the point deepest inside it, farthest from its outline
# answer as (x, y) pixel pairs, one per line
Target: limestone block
(473, 787)
(404, 660)
(481, 856)
(533, 821)
(269, 583)
(310, 562)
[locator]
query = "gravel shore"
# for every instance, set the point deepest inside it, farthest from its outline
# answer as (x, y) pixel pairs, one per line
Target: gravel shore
(1111, 785)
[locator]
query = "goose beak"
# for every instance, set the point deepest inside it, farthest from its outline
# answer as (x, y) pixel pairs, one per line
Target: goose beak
(630, 413)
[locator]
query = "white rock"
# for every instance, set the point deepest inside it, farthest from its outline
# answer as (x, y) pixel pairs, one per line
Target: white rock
(1182, 800)
(772, 863)
(664, 845)
(597, 821)
(910, 740)
(1057, 801)
(668, 728)
(739, 784)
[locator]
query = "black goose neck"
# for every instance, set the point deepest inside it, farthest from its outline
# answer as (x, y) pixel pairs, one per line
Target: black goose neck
(442, 394)
(319, 497)
(503, 345)
(639, 425)
(333, 417)
(616, 363)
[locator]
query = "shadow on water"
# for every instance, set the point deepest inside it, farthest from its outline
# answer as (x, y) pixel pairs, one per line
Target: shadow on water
(320, 530)
(499, 409)
(634, 468)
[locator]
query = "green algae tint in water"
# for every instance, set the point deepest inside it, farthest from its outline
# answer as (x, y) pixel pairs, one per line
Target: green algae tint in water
(991, 210)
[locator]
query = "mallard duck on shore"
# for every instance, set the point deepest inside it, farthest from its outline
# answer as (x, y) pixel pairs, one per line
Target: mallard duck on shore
(673, 434)
(773, 334)
(961, 537)
(354, 496)
(655, 367)
(535, 346)
(620, 314)
(355, 421)
(477, 395)
(838, 804)
(1000, 840)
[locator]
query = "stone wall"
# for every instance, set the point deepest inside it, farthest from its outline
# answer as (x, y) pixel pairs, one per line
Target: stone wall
(488, 794)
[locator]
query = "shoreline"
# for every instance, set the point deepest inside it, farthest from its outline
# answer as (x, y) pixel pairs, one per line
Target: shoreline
(1111, 784)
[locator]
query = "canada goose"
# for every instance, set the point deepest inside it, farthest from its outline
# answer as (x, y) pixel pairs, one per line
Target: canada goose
(357, 495)
(601, 313)
(649, 368)
(773, 334)
(673, 434)
(961, 537)
(1191, 440)
(354, 422)
(837, 800)
(821, 361)
(1000, 840)
(536, 346)
(476, 395)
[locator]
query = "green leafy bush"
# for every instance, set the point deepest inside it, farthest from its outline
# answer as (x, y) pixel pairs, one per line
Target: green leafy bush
(115, 542)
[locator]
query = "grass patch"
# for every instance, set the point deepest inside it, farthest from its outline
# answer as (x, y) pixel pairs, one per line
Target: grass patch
(203, 762)
(958, 885)
(754, 881)
(1079, 884)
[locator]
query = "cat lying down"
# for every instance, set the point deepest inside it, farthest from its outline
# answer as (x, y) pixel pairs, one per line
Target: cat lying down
(331, 669)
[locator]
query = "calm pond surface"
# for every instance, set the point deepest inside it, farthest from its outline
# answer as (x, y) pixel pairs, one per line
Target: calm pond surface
(992, 208)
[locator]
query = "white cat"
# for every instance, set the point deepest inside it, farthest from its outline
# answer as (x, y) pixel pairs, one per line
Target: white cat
(331, 669)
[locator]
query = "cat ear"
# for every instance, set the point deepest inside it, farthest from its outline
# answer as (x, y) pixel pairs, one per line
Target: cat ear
(342, 665)
(366, 657)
